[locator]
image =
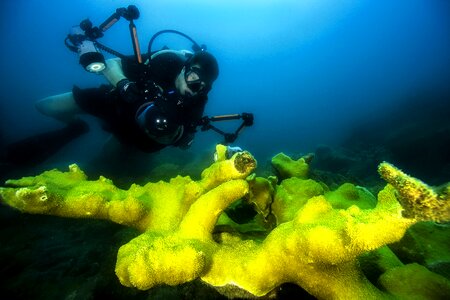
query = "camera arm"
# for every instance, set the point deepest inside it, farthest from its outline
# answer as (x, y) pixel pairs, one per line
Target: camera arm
(91, 33)
(247, 120)
(85, 34)
(130, 13)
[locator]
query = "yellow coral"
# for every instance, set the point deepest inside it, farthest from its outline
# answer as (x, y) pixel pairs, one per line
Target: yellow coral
(221, 153)
(153, 259)
(315, 245)
(291, 195)
(418, 199)
(287, 167)
(261, 194)
(348, 194)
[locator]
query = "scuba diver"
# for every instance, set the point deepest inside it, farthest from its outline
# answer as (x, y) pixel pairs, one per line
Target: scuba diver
(148, 110)
(152, 101)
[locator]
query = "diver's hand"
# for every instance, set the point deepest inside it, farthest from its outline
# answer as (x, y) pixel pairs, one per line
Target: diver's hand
(129, 91)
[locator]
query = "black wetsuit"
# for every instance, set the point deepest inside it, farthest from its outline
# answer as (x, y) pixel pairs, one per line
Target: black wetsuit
(119, 116)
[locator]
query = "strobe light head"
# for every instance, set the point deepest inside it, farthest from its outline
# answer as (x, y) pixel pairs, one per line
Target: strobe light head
(92, 61)
(90, 58)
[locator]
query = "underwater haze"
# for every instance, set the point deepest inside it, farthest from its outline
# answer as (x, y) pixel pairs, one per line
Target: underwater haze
(309, 71)
(345, 83)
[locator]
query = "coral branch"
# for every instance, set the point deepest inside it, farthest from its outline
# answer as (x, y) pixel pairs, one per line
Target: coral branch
(315, 242)
(419, 200)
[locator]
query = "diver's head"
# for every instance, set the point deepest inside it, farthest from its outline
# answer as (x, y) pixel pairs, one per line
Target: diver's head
(158, 126)
(198, 74)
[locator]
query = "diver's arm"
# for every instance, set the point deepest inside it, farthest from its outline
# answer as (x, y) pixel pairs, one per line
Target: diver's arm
(113, 71)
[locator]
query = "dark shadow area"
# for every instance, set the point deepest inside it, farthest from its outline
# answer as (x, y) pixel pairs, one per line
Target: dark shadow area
(415, 136)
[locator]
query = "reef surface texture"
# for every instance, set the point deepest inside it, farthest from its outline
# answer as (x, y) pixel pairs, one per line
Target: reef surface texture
(303, 232)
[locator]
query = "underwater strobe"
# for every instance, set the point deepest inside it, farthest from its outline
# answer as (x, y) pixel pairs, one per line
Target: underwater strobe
(83, 39)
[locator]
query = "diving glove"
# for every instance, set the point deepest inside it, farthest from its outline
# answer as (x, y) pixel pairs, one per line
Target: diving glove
(129, 91)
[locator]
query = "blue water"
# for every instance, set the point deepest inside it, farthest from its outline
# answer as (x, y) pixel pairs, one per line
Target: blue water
(310, 71)
(313, 73)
